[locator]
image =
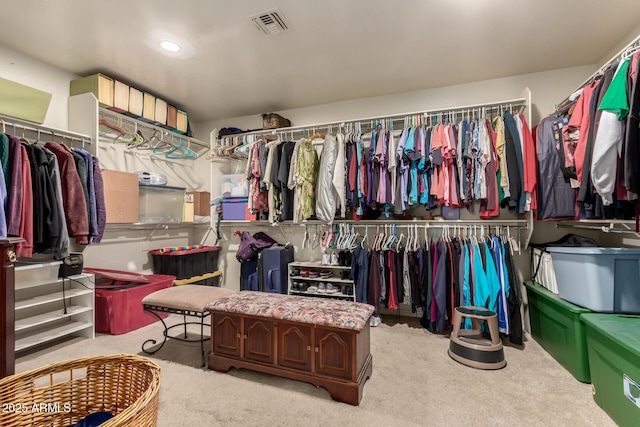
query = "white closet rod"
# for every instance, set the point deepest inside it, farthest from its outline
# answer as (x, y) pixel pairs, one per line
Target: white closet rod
(11, 125)
(618, 56)
(506, 105)
(603, 228)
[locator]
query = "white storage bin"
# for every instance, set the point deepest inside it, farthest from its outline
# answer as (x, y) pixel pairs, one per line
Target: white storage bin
(234, 186)
(161, 204)
(600, 279)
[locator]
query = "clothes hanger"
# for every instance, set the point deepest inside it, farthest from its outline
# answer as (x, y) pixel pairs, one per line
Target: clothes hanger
(366, 236)
(110, 125)
(316, 242)
(305, 239)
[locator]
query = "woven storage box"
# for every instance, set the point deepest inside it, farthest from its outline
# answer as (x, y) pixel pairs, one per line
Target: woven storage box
(126, 386)
(274, 121)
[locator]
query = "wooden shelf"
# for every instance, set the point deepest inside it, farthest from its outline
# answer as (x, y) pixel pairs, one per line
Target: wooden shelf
(51, 334)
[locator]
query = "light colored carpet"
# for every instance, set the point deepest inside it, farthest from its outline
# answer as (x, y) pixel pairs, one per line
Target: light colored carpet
(414, 383)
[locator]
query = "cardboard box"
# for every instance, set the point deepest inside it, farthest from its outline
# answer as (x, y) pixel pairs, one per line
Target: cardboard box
(120, 97)
(121, 193)
(182, 121)
(136, 102)
(201, 202)
(161, 111)
(98, 84)
(149, 107)
(187, 215)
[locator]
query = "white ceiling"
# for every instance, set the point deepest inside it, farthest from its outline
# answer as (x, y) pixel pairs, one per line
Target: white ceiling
(335, 49)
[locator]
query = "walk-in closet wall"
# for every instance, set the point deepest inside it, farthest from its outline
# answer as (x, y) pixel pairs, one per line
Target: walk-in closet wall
(545, 89)
(25, 70)
(120, 249)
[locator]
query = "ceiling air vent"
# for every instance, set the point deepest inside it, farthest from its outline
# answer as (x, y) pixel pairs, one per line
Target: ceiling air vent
(270, 22)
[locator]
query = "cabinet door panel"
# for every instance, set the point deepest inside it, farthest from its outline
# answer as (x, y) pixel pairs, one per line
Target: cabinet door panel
(295, 346)
(334, 353)
(259, 340)
(227, 334)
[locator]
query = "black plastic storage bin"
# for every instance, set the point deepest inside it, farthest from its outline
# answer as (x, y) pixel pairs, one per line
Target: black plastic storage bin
(186, 263)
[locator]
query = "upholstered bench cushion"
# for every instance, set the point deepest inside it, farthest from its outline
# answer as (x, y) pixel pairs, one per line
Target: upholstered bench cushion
(186, 297)
(313, 310)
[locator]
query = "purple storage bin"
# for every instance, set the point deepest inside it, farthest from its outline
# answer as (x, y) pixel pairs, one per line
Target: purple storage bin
(234, 209)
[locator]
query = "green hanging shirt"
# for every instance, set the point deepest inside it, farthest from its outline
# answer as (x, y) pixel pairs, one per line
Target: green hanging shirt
(615, 99)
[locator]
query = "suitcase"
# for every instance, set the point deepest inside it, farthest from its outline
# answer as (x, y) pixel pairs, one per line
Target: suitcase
(273, 268)
(249, 276)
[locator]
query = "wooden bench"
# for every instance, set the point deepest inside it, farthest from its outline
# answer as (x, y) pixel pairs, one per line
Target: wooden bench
(185, 300)
(320, 341)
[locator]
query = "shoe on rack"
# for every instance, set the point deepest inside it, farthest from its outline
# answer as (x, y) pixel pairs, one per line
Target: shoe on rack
(322, 288)
(312, 289)
(341, 258)
(334, 258)
(326, 259)
(303, 287)
(330, 289)
(348, 290)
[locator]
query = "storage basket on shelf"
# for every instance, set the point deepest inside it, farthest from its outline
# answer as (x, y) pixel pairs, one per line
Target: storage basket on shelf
(124, 385)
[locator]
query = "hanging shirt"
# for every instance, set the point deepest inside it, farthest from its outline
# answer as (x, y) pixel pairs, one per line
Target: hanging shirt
(580, 120)
(411, 152)
(14, 205)
(60, 248)
(326, 193)
(74, 202)
(93, 220)
(25, 249)
(516, 168)
(101, 209)
(503, 307)
(3, 200)
(339, 176)
(392, 166)
(292, 181)
(308, 166)
(530, 165)
(498, 124)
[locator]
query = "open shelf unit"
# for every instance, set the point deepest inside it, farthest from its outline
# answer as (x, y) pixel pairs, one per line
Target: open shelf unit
(339, 282)
(48, 308)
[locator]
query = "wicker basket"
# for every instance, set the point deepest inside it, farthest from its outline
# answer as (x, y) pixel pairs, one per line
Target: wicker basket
(61, 394)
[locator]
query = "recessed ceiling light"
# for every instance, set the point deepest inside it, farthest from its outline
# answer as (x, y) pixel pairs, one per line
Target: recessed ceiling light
(169, 46)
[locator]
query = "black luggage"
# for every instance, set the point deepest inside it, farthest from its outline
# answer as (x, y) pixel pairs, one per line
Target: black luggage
(249, 276)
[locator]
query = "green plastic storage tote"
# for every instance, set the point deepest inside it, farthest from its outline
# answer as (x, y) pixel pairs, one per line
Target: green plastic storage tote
(613, 342)
(556, 326)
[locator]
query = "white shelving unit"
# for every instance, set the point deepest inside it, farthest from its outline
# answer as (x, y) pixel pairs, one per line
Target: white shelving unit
(85, 114)
(316, 266)
(48, 308)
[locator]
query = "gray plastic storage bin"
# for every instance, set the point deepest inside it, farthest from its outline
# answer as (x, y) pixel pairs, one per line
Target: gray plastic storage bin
(600, 279)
